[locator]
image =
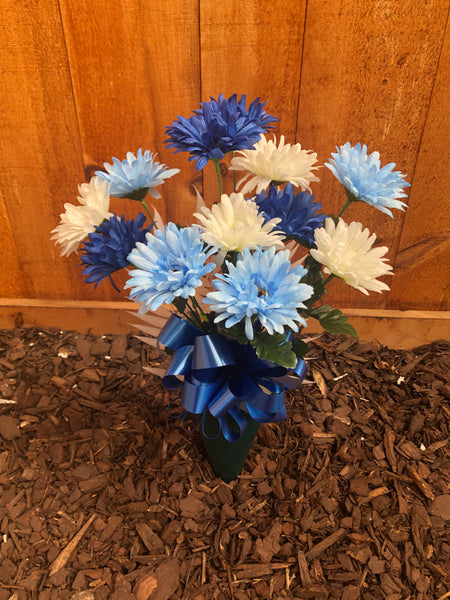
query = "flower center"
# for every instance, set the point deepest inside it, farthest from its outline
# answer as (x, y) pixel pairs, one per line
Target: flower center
(262, 293)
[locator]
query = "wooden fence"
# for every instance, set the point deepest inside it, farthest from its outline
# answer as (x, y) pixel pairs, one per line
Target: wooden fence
(84, 80)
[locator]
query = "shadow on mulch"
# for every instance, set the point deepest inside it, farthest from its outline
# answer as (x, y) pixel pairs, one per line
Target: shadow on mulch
(103, 495)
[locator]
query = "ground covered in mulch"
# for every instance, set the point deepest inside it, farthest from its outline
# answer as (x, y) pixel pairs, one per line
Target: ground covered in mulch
(104, 495)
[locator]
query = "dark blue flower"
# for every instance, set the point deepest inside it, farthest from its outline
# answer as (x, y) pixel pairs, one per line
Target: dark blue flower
(107, 248)
(218, 127)
(299, 213)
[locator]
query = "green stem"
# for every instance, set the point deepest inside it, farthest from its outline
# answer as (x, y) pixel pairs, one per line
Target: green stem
(234, 256)
(204, 316)
(233, 154)
(217, 167)
(197, 310)
(195, 319)
(344, 208)
(328, 279)
(144, 204)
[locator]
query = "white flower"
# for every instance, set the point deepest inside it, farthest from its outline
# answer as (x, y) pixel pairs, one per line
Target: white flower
(346, 251)
(235, 224)
(95, 194)
(79, 221)
(281, 164)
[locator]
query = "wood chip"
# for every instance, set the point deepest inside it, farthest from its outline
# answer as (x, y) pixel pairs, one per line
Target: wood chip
(325, 544)
(152, 541)
(320, 382)
(423, 486)
(64, 556)
(9, 427)
(303, 568)
(389, 439)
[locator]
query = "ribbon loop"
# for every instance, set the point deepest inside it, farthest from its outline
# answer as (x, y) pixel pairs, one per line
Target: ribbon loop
(178, 366)
(212, 352)
(224, 379)
(196, 395)
(178, 332)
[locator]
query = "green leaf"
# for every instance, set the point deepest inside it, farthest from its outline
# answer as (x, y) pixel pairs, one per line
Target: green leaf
(180, 304)
(314, 278)
(236, 332)
(332, 320)
(274, 348)
(299, 347)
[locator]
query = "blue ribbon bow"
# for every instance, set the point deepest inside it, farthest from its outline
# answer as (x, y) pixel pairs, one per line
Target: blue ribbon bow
(225, 378)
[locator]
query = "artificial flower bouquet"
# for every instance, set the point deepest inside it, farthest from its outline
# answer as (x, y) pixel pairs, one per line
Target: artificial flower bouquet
(237, 293)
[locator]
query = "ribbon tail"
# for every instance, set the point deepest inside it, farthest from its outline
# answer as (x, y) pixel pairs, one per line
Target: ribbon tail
(262, 417)
(294, 377)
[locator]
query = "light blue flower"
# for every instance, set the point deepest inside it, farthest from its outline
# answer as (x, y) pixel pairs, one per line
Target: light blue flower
(362, 176)
(263, 289)
(169, 265)
(136, 176)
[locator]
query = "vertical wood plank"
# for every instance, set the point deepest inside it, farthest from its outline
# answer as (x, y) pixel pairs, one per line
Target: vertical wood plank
(12, 284)
(252, 48)
(423, 261)
(367, 76)
(40, 154)
(135, 67)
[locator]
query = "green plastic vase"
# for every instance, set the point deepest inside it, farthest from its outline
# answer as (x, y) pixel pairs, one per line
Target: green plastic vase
(227, 458)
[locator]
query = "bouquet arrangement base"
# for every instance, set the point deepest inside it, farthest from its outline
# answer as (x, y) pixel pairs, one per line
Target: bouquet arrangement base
(225, 385)
(244, 279)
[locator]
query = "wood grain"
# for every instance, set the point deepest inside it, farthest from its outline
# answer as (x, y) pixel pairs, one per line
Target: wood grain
(40, 154)
(367, 76)
(135, 67)
(11, 278)
(424, 249)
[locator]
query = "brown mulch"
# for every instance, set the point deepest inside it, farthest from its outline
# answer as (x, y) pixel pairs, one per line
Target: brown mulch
(103, 495)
